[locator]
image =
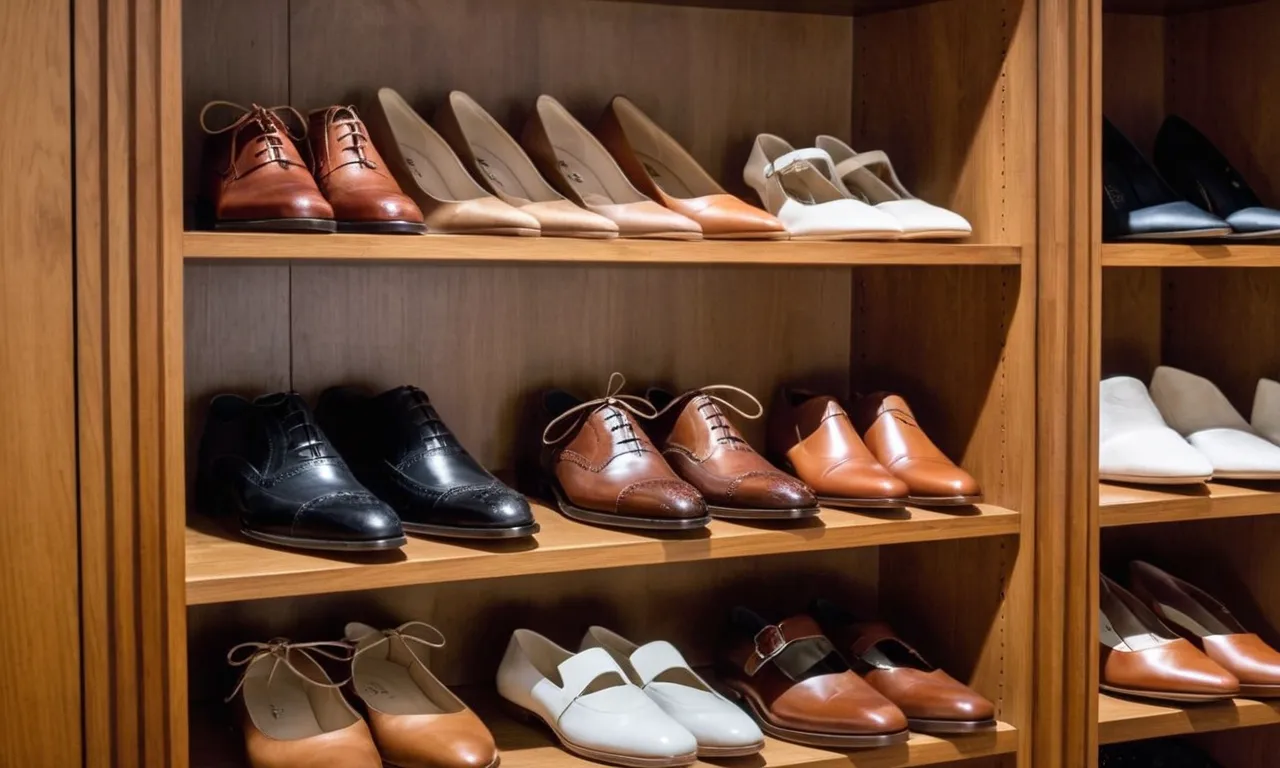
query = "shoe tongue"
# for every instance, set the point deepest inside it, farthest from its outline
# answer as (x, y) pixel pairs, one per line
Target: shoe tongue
(413, 411)
(301, 433)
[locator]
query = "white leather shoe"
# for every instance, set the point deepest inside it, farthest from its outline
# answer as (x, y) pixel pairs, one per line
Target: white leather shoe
(1135, 444)
(591, 705)
(795, 186)
(870, 176)
(721, 728)
(1201, 413)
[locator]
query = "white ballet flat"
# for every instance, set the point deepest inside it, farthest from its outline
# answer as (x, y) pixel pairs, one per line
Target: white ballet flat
(721, 728)
(591, 705)
(1199, 411)
(1136, 446)
(870, 176)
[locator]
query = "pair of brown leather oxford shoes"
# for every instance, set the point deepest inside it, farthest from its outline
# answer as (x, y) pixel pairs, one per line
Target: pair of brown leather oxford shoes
(255, 178)
(826, 679)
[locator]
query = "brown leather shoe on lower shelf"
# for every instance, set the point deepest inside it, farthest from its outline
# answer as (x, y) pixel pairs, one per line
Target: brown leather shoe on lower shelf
(1206, 622)
(890, 431)
(799, 689)
(813, 435)
(933, 701)
(1140, 656)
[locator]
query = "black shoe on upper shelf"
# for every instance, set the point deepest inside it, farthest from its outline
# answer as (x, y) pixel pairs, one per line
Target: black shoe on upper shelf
(1202, 174)
(1138, 205)
(1157, 753)
(402, 450)
(268, 463)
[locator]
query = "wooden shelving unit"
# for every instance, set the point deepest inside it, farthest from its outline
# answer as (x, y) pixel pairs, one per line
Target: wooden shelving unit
(1133, 505)
(220, 246)
(1207, 254)
(1132, 720)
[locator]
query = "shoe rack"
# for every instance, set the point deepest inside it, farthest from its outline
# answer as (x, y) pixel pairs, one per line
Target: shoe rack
(1209, 308)
(169, 315)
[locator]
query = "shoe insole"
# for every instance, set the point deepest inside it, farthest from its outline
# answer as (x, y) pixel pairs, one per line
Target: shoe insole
(501, 175)
(388, 687)
(665, 177)
(1126, 638)
(1203, 624)
(282, 709)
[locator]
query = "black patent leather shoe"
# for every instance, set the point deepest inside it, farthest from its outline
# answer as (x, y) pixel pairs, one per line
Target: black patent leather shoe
(1199, 172)
(1139, 205)
(401, 449)
(267, 463)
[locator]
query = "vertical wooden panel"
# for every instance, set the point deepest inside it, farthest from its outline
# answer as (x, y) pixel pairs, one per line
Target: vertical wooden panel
(1133, 75)
(1131, 312)
(39, 596)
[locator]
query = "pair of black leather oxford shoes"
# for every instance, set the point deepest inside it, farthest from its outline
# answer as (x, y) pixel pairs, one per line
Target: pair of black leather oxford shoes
(270, 464)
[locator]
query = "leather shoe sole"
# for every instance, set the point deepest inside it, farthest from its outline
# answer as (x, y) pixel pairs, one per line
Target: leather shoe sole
(620, 521)
(328, 545)
(817, 739)
(457, 532)
(718, 752)
(842, 503)
(950, 726)
(383, 227)
(1168, 695)
(277, 225)
(944, 501)
(744, 513)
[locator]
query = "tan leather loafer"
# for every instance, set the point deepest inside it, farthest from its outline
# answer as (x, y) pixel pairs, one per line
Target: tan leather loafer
(293, 714)
(417, 722)
(1206, 622)
(662, 169)
(890, 431)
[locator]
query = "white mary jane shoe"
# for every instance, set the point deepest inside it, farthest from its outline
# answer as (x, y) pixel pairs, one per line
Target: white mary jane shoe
(721, 727)
(795, 186)
(1201, 413)
(590, 704)
(1136, 446)
(870, 176)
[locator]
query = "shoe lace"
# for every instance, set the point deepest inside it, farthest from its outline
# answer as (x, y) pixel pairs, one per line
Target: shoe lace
(298, 421)
(280, 649)
(405, 637)
(355, 138)
(709, 407)
(267, 122)
(618, 418)
(431, 427)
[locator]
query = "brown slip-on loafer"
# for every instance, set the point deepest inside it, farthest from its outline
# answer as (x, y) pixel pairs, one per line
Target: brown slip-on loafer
(430, 173)
(814, 437)
(933, 701)
(604, 470)
(354, 178)
(583, 171)
(254, 178)
(889, 429)
(496, 160)
(705, 449)
(1140, 656)
(417, 722)
(799, 688)
(1206, 622)
(293, 714)
(662, 169)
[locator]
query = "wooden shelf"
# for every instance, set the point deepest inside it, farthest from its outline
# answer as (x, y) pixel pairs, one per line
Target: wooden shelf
(1133, 505)
(216, 745)
(221, 567)
(1179, 255)
(1132, 720)
(217, 246)
(825, 7)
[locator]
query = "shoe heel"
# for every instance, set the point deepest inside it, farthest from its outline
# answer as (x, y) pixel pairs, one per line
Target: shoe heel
(520, 714)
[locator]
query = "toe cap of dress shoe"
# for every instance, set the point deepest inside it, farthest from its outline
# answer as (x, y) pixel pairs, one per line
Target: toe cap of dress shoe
(347, 517)
(772, 490)
(936, 478)
(861, 481)
(662, 498)
(487, 506)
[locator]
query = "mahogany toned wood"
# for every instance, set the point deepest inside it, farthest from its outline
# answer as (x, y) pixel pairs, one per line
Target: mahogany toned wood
(217, 246)
(40, 685)
(129, 379)
(1133, 77)
(1132, 720)
(1133, 505)
(1177, 255)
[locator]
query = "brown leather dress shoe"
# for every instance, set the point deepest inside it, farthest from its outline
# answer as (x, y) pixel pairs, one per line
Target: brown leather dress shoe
(813, 436)
(799, 688)
(604, 470)
(254, 178)
(417, 722)
(701, 444)
(662, 169)
(1206, 622)
(890, 431)
(933, 701)
(293, 714)
(1140, 656)
(355, 180)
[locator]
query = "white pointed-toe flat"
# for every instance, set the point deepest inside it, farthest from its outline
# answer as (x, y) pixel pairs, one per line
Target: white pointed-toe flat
(721, 728)
(591, 705)
(795, 186)
(1266, 409)
(1136, 446)
(870, 176)
(1199, 411)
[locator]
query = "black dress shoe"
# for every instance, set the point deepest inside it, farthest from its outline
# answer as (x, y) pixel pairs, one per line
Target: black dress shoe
(400, 448)
(1200, 173)
(267, 463)
(1138, 205)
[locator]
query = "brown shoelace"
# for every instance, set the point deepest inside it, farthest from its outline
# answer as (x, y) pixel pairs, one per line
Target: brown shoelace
(268, 122)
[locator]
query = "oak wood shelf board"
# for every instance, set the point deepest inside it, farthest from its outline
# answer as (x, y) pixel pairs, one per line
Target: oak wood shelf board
(1133, 505)
(1131, 720)
(221, 567)
(216, 246)
(824, 7)
(1217, 254)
